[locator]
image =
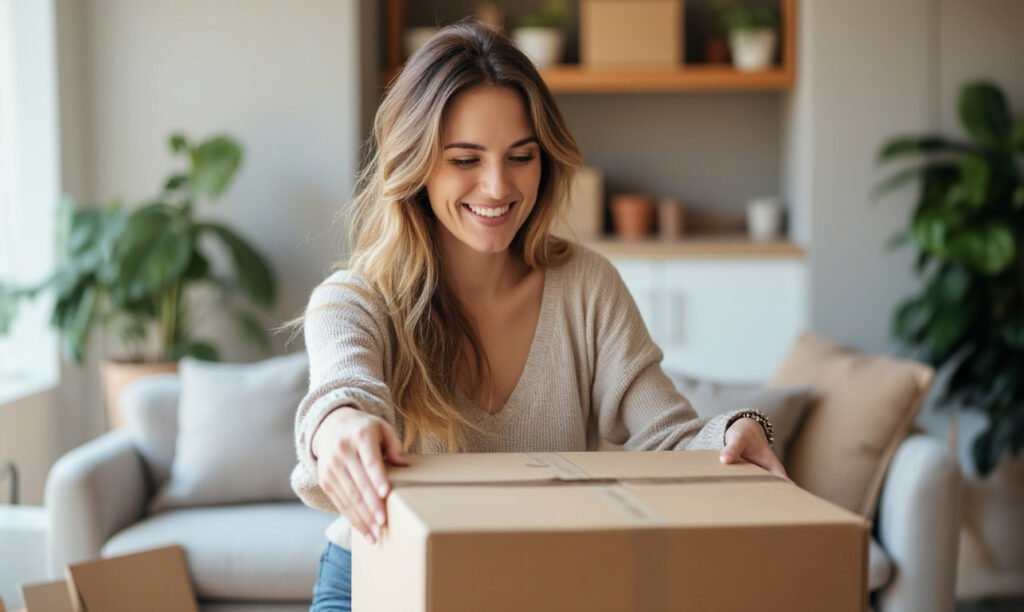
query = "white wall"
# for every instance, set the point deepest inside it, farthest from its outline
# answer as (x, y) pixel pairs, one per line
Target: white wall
(870, 70)
(283, 78)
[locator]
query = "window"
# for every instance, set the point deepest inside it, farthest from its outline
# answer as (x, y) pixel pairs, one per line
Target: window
(29, 188)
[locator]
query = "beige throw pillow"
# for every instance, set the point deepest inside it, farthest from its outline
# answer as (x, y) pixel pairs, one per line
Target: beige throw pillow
(235, 441)
(867, 405)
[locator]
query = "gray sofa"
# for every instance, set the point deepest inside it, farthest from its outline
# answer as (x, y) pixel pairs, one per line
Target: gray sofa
(264, 556)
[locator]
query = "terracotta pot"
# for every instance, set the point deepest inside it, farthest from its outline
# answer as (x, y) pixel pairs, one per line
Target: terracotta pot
(632, 215)
(118, 375)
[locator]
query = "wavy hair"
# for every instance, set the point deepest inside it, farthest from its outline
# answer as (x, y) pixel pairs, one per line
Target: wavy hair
(395, 236)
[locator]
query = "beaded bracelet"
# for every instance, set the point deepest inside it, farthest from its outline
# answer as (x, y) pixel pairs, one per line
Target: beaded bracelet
(761, 419)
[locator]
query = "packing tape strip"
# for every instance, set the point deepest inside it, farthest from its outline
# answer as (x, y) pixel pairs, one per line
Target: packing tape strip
(562, 467)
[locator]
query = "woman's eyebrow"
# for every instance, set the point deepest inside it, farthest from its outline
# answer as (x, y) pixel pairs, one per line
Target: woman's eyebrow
(476, 147)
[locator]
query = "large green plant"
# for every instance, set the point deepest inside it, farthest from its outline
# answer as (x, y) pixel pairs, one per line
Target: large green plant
(129, 271)
(968, 230)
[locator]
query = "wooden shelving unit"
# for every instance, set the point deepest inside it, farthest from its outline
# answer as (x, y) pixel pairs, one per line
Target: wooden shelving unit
(714, 246)
(574, 78)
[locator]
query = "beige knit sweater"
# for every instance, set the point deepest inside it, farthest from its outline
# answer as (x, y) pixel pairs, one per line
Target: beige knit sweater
(592, 372)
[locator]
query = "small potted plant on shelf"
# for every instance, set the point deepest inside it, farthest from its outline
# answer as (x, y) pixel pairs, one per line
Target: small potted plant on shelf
(752, 28)
(540, 35)
(128, 272)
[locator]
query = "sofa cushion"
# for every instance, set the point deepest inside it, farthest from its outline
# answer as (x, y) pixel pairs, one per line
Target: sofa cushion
(785, 407)
(235, 441)
(867, 405)
(150, 407)
(244, 552)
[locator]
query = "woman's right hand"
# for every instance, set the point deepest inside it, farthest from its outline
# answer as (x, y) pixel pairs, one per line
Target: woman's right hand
(349, 446)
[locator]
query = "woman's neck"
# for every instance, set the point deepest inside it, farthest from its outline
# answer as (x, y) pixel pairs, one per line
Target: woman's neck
(480, 277)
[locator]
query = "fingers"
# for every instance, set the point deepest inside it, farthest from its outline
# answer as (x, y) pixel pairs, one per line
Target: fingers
(393, 446)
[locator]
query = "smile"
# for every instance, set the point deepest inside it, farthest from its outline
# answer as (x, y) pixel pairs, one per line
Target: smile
(489, 212)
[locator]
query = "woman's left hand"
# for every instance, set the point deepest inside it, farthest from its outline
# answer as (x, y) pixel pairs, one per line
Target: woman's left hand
(745, 439)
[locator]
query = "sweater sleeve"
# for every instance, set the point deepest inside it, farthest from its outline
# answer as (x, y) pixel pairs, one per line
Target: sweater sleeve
(346, 339)
(636, 404)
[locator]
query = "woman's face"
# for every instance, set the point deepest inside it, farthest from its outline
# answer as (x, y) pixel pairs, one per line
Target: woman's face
(486, 183)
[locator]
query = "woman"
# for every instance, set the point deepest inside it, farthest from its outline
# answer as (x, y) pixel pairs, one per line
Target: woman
(461, 323)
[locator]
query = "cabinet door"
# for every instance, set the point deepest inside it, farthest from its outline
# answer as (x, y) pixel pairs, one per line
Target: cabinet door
(731, 320)
(639, 277)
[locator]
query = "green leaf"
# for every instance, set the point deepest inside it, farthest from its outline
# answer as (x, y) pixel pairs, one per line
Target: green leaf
(214, 163)
(178, 143)
(154, 251)
(989, 249)
(985, 115)
(903, 146)
(911, 317)
(252, 330)
(897, 180)
(76, 332)
(974, 180)
(984, 452)
(175, 182)
(198, 266)
(1018, 197)
(254, 274)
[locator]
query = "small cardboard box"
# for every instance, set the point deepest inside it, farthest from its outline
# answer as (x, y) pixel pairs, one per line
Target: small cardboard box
(154, 580)
(631, 33)
(606, 532)
(584, 212)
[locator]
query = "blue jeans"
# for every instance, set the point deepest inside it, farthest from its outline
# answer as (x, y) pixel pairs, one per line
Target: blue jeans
(333, 589)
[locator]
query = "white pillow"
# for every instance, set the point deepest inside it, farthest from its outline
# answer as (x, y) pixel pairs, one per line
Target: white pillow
(785, 407)
(235, 422)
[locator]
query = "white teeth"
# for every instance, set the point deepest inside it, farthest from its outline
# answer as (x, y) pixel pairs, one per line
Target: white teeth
(489, 212)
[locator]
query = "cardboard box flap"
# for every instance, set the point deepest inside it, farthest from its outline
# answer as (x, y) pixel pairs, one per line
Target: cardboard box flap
(554, 468)
(155, 580)
(46, 597)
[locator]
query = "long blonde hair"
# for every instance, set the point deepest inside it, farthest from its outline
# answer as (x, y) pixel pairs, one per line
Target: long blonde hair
(395, 234)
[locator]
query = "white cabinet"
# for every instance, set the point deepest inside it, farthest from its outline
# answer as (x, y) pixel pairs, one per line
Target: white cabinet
(727, 319)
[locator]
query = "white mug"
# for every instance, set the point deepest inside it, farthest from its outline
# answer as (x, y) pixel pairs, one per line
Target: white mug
(764, 218)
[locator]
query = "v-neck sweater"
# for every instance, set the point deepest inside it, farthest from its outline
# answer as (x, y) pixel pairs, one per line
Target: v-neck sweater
(593, 372)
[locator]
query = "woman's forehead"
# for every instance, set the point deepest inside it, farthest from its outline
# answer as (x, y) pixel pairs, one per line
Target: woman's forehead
(488, 117)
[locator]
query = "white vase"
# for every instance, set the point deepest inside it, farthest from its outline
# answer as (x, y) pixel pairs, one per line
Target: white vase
(752, 49)
(542, 45)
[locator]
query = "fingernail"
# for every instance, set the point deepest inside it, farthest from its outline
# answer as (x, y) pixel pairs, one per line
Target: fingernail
(383, 490)
(380, 517)
(376, 531)
(370, 538)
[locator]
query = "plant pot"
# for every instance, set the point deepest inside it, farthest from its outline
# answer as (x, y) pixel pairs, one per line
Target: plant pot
(752, 50)
(632, 216)
(716, 50)
(542, 45)
(118, 375)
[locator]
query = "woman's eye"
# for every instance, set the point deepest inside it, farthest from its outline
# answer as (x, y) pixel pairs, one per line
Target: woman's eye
(522, 159)
(463, 162)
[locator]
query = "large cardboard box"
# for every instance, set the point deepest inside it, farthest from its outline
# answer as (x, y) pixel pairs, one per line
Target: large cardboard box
(606, 532)
(631, 33)
(154, 580)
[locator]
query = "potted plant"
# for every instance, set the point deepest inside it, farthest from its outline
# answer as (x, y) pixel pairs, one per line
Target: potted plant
(129, 272)
(968, 230)
(752, 30)
(539, 34)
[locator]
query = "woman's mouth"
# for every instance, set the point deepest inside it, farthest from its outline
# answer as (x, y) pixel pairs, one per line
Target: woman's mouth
(489, 212)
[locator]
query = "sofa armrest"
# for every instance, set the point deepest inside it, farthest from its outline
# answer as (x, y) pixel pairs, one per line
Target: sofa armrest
(919, 526)
(92, 492)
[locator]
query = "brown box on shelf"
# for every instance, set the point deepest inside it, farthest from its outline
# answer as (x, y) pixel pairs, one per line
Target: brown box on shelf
(631, 33)
(584, 212)
(606, 532)
(154, 580)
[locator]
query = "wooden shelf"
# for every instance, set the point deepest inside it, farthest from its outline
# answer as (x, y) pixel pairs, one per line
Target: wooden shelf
(692, 77)
(725, 246)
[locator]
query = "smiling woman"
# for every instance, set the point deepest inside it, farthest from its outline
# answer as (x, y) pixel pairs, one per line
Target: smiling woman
(461, 323)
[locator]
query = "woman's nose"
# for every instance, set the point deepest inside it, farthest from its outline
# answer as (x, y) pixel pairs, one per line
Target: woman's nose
(495, 182)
